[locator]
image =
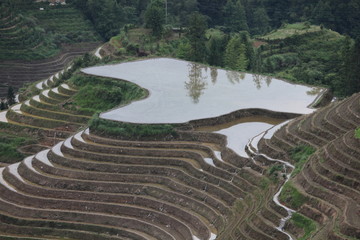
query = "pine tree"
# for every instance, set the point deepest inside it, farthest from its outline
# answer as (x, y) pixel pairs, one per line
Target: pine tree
(242, 61)
(236, 55)
(232, 53)
(2, 105)
(10, 96)
(197, 27)
(155, 17)
(235, 16)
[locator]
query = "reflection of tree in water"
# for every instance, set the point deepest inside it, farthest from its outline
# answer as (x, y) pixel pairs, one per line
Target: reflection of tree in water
(314, 91)
(258, 79)
(214, 74)
(268, 80)
(235, 77)
(197, 82)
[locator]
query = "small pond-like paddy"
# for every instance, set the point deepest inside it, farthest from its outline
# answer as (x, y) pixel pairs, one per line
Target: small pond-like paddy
(180, 91)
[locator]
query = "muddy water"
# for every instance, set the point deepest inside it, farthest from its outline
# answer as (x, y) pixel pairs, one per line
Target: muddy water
(181, 91)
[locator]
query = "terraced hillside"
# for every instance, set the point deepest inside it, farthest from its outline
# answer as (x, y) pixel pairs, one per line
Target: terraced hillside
(192, 187)
(36, 44)
(329, 183)
(16, 73)
(44, 116)
(101, 188)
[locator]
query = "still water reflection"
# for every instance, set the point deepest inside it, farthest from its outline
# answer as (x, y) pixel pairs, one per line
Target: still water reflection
(181, 91)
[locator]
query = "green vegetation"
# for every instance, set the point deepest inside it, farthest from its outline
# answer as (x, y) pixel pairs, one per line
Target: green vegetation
(275, 169)
(155, 17)
(9, 144)
(100, 94)
(29, 33)
(308, 225)
(300, 155)
(131, 131)
(289, 30)
(291, 196)
(357, 133)
(66, 24)
(23, 39)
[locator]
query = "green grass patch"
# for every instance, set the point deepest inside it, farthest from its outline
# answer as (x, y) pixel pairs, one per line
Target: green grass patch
(100, 94)
(305, 223)
(291, 196)
(300, 154)
(288, 30)
(122, 130)
(9, 143)
(357, 133)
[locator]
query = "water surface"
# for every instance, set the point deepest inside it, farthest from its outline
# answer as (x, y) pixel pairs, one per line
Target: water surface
(180, 91)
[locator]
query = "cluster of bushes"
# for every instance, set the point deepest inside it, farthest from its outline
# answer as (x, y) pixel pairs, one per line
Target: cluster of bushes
(292, 197)
(131, 131)
(304, 223)
(300, 155)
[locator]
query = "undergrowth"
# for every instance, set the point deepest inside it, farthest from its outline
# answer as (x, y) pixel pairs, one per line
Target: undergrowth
(357, 133)
(8, 147)
(291, 196)
(300, 154)
(305, 223)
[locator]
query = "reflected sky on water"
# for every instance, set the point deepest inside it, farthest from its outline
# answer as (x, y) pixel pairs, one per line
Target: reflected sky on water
(181, 91)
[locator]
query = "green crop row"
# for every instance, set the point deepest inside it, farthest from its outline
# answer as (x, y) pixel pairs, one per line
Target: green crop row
(129, 130)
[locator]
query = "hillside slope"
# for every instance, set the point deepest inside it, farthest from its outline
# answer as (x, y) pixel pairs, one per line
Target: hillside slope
(36, 44)
(329, 181)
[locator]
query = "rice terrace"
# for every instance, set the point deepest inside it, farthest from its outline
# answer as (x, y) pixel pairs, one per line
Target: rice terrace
(182, 120)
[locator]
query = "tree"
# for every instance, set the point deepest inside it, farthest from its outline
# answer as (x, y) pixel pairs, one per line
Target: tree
(155, 17)
(235, 54)
(260, 21)
(242, 61)
(322, 14)
(107, 15)
(10, 96)
(235, 16)
(216, 47)
(351, 71)
(3, 105)
(197, 27)
(213, 9)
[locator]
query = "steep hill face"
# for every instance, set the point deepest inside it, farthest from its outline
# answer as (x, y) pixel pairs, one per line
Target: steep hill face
(329, 181)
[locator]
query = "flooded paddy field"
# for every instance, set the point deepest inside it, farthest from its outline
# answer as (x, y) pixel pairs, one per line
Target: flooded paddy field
(181, 91)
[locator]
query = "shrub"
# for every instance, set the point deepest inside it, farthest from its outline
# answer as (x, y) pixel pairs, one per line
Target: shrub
(8, 147)
(357, 133)
(292, 197)
(305, 223)
(300, 154)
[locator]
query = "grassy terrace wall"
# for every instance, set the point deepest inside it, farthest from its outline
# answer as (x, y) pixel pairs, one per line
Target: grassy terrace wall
(101, 94)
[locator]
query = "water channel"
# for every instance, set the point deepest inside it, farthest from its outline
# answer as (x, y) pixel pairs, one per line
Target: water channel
(181, 91)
